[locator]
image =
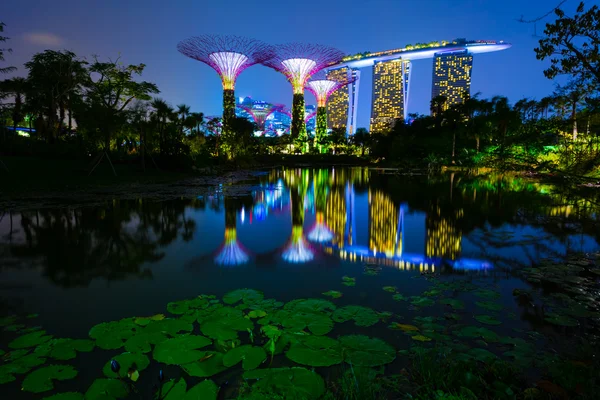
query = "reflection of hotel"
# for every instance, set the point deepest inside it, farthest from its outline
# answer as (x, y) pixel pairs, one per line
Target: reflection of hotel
(385, 234)
(444, 238)
(335, 215)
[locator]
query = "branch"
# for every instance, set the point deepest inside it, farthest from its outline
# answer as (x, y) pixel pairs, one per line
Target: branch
(532, 21)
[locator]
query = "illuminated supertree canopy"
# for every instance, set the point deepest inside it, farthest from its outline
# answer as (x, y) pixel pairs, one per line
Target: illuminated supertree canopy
(229, 56)
(260, 115)
(298, 62)
(322, 88)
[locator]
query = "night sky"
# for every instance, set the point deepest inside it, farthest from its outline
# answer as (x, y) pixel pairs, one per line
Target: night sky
(148, 32)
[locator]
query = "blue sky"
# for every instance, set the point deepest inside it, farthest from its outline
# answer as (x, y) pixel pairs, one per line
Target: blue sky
(148, 32)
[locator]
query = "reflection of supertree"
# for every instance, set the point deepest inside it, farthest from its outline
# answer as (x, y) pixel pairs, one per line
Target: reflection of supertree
(322, 88)
(297, 250)
(231, 252)
(444, 237)
(298, 62)
(320, 232)
(384, 236)
(229, 56)
(260, 115)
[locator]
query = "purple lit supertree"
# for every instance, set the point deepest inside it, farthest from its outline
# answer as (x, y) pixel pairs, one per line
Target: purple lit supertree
(322, 88)
(298, 62)
(260, 115)
(229, 56)
(231, 251)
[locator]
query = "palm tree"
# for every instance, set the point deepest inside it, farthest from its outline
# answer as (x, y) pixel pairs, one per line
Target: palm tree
(198, 118)
(183, 111)
(162, 113)
(15, 88)
(4, 70)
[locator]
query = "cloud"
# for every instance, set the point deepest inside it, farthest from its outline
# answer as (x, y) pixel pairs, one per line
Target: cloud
(43, 39)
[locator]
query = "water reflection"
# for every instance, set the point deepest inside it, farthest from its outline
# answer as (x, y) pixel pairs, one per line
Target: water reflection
(456, 223)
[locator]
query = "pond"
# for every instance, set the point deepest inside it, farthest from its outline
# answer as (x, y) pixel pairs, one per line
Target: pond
(485, 273)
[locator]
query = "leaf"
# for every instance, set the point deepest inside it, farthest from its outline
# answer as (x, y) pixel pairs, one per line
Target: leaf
(205, 390)
(418, 301)
(366, 352)
(112, 335)
(362, 316)
(185, 306)
(315, 351)
(486, 294)
(170, 326)
(250, 356)
(398, 297)
(334, 294)
(41, 380)
(247, 296)
(318, 324)
(310, 306)
(225, 323)
(127, 361)
(172, 390)
(482, 355)
(133, 375)
(421, 338)
(348, 281)
(403, 327)
(391, 289)
(146, 320)
(487, 319)
(257, 314)
(141, 343)
(561, 320)
(454, 303)
(64, 349)
(65, 396)
(107, 389)
(489, 305)
(211, 363)
(181, 350)
(29, 340)
(478, 332)
(287, 383)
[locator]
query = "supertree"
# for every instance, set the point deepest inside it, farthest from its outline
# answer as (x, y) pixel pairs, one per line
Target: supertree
(229, 56)
(260, 115)
(298, 62)
(322, 88)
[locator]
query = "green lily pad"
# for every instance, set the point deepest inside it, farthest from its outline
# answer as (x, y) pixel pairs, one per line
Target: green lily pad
(561, 320)
(391, 289)
(41, 380)
(489, 305)
(257, 313)
(348, 281)
(247, 296)
(185, 306)
(454, 303)
(211, 363)
(65, 396)
(421, 338)
(403, 327)
(318, 324)
(146, 320)
(173, 390)
(127, 361)
(107, 389)
(181, 350)
(365, 351)
(334, 294)
(418, 301)
(287, 383)
(6, 321)
(14, 328)
(398, 297)
(250, 356)
(310, 306)
(486, 294)
(482, 355)
(30, 340)
(362, 316)
(64, 349)
(316, 351)
(142, 343)
(170, 326)
(225, 323)
(205, 390)
(6, 377)
(487, 319)
(477, 332)
(112, 335)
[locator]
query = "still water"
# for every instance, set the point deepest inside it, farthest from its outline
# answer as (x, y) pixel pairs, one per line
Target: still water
(294, 235)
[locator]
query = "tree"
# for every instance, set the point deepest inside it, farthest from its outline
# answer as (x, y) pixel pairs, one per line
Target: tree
(161, 115)
(16, 88)
(183, 110)
(361, 138)
(573, 45)
(4, 70)
(111, 89)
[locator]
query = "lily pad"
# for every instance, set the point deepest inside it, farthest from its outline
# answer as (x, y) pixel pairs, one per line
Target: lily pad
(41, 380)
(348, 281)
(127, 362)
(362, 316)
(454, 303)
(64, 349)
(418, 301)
(225, 324)
(181, 350)
(421, 338)
(29, 340)
(211, 363)
(398, 297)
(170, 326)
(250, 356)
(310, 306)
(404, 327)
(65, 396)
(142, 342)
(185, 306)
(257, 313)
(487, 319)
(482, 355)
(205, 390)
(561, 320)
(391, 289)
(173, 390)
(334, 294)
(477, 332)
(146, 320)
(316, 351)
(107, 389)
(247, 296)
(364, 351)
(486, 294)
(112, 335)
(489, 305)
(287, 383)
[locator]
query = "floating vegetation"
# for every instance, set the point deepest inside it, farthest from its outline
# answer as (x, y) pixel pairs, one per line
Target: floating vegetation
(348, 281)
(334, 294)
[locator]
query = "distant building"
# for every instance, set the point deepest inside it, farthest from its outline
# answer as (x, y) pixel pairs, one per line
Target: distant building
(277, 123)
(310, 112)
(390, 93)
(342, 107)
(452, 77)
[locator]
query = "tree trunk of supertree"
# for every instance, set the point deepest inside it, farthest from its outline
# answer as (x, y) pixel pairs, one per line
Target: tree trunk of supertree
(298, 131)
(321, 128)
(228, 117)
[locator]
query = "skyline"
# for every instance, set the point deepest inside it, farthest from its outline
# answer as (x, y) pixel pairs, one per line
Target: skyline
(149, 35)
